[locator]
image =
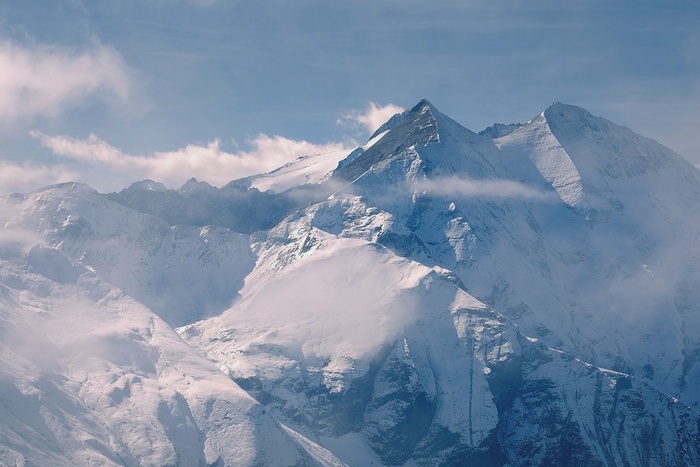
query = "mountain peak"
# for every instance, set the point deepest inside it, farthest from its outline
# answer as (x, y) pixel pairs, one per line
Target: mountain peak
(424, 109)
(148, 185)
(567, 114)
(415, 127)
(193, 185)
(423, 105)
(69, 187)
(424, 141)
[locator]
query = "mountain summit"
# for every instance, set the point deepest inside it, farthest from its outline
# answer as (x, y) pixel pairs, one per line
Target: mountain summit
(421, 126)
(436, 297)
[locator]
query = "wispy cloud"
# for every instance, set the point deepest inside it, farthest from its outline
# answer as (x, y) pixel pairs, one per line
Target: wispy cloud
(370, 118)
(46, 80)
(491, 188)
(207, 162)
(23, 177)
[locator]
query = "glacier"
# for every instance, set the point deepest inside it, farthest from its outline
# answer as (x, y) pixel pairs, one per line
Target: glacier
(525, 296)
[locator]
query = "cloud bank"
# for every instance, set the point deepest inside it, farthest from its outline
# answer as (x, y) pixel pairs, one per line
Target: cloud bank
(207, 162)
(106, 167)
(45, 80)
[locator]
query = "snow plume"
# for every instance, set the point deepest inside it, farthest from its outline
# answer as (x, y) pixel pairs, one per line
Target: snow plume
(490, 188)
(47, 80)
(370, 118)
(208, 162)
(23, 177)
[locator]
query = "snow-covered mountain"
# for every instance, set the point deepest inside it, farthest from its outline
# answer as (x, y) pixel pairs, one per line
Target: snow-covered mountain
(234, 206)
(436, 297)
(88, 376)
(580, 231)
(182, 273)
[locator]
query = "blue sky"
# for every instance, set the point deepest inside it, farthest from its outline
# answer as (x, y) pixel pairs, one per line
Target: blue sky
(113, 91)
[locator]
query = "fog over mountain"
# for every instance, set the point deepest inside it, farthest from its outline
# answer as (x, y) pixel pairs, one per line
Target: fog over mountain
(528, 295)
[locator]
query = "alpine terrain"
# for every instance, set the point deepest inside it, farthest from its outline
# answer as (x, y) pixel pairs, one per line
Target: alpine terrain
(526, 296)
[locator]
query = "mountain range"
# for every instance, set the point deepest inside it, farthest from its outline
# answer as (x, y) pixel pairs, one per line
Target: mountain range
(524, 296)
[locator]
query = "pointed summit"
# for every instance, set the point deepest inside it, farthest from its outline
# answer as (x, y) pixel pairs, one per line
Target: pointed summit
(408, 139)
(422, 106)
(193, 184)
(415, 127)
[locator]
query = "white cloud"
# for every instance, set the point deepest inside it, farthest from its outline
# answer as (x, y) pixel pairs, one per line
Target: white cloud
(491, 188)
(90, 150)
(47, 80)
(106, 167)
(205, 162)
(371, 118)
(15, 177)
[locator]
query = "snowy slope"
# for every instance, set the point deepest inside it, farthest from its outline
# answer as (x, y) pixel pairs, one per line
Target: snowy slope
(305, 170)
(182, 273)
(632, 272)
(582, 232)
(91, 377)
(568, 226)
(276, 341)
(345, 340)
